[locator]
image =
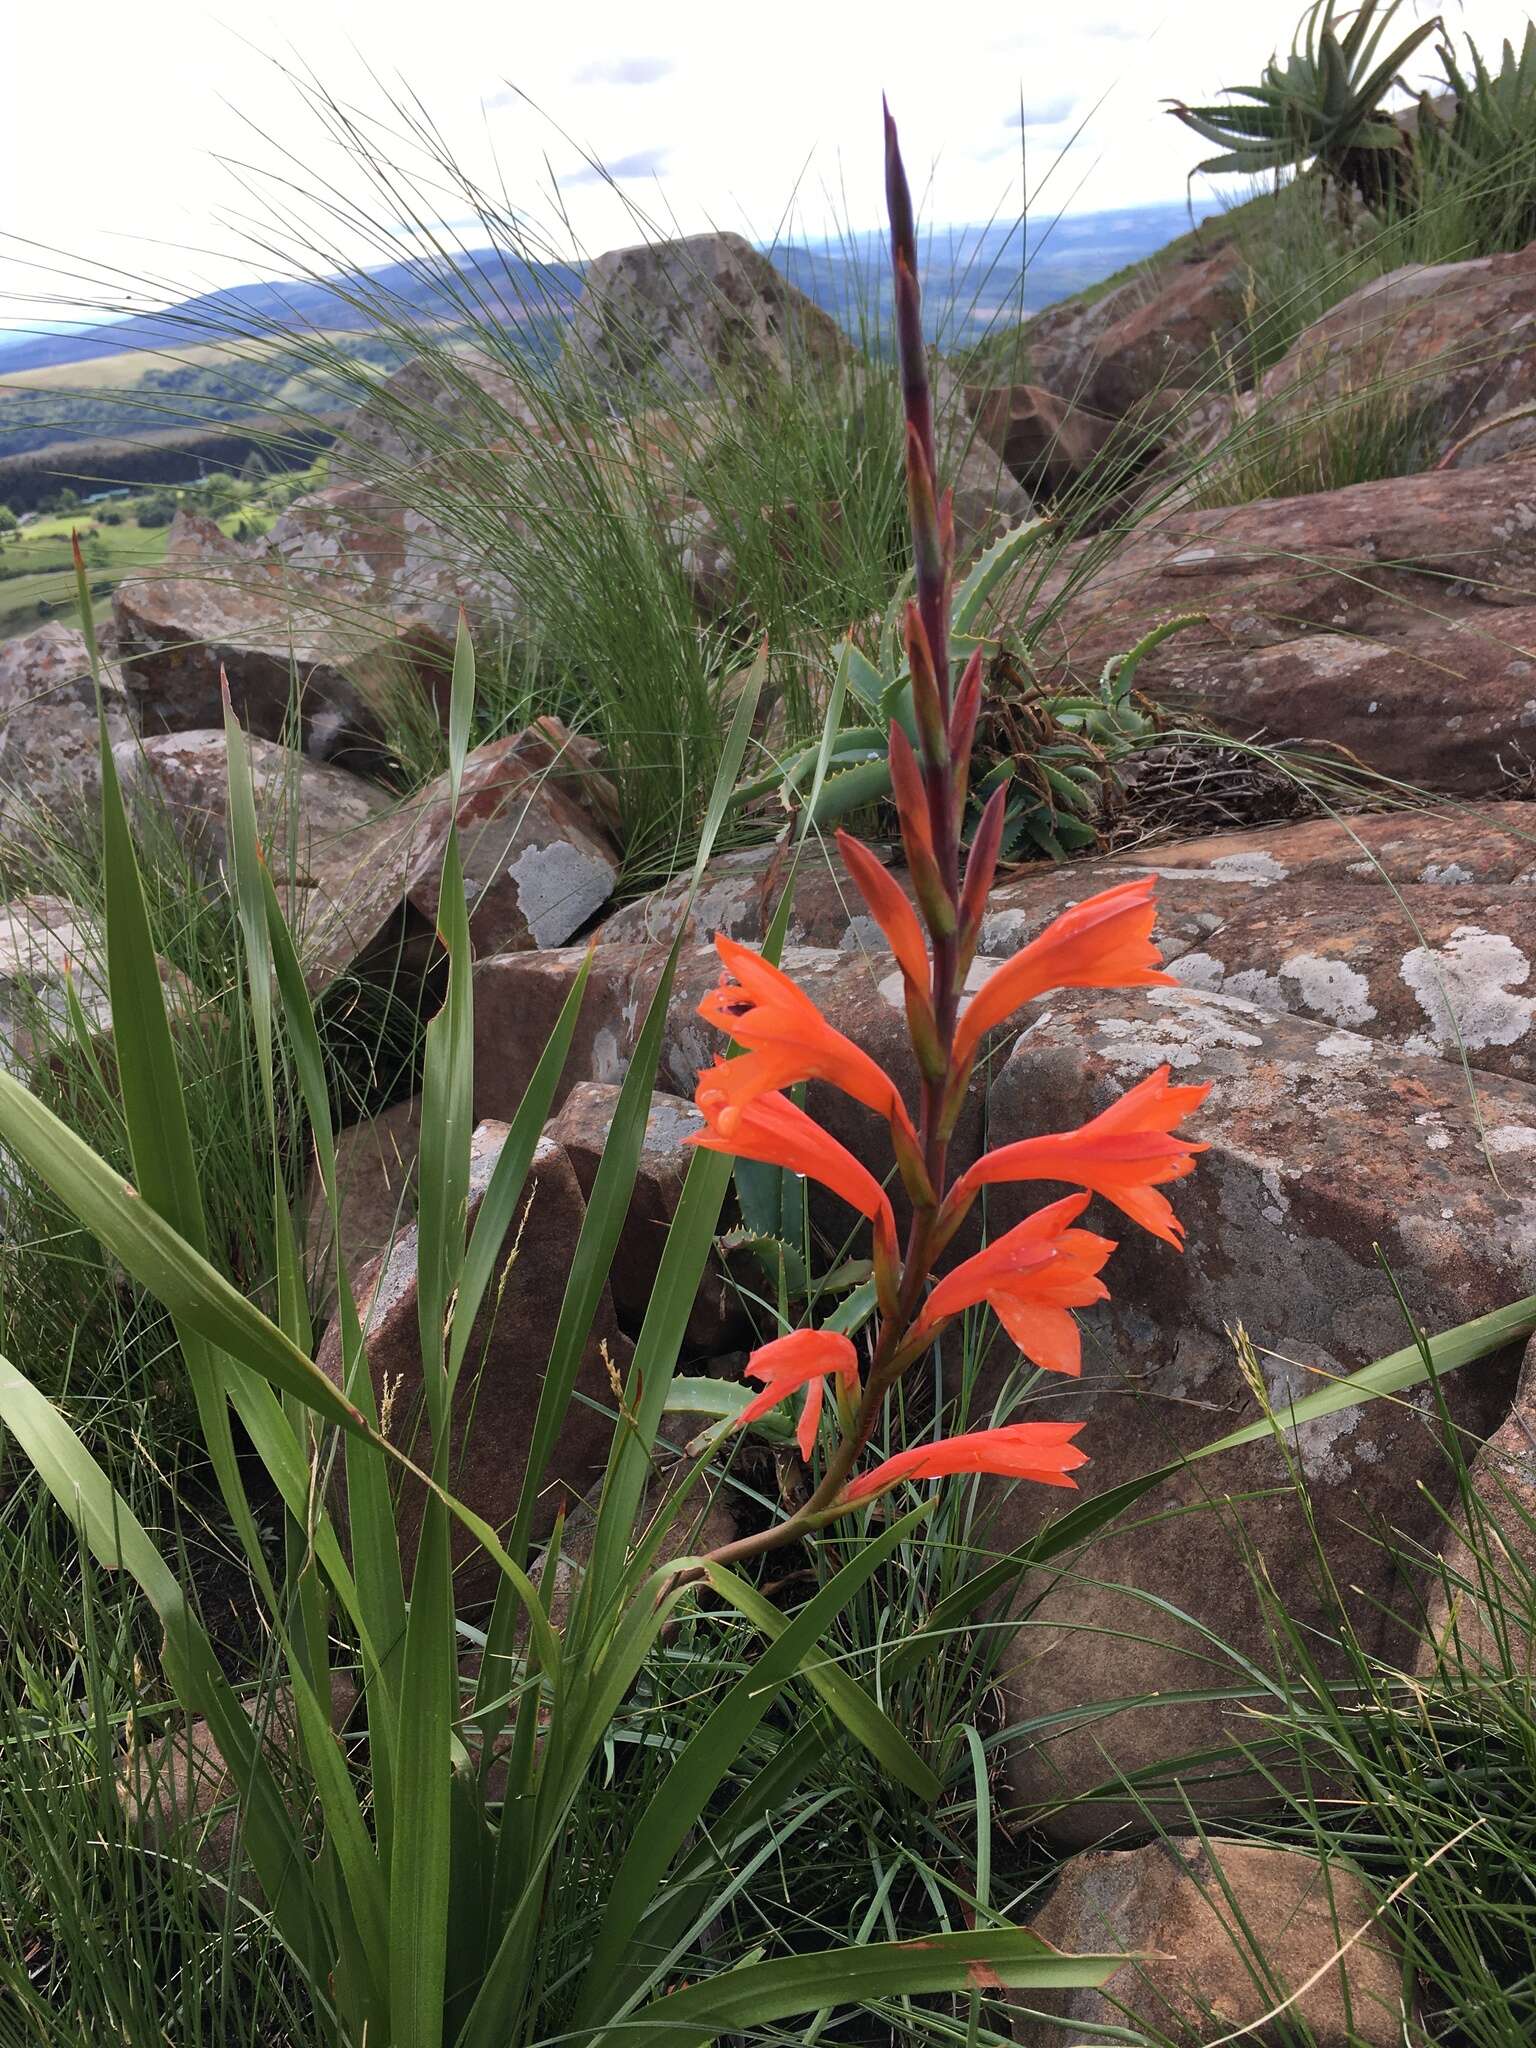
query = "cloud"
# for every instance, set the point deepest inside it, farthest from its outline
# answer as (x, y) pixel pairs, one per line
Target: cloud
(1043, 113)
(640, 163)
(624, 71)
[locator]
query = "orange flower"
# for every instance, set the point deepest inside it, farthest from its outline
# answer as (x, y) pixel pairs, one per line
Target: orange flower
(1043, 1451)
(1125, 1155)
(889, 907)
(802, 1359)
(786, 1040)
(1031, 1277)
(773, 1130)
(1103, 943)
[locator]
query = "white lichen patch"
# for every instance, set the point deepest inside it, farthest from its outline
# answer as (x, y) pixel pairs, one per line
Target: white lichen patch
(1254, 866)
(1448, 872)
(862, 936)
(1511, 1138)
(559, 886)
(1330, 989)
(1467, 991)
(1344, 1045)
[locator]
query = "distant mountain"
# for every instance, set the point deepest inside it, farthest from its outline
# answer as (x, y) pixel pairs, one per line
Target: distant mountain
(972, 277)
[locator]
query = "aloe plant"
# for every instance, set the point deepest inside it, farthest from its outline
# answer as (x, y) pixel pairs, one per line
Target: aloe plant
(1490, 140)
(1058, 782)
(1323, 103)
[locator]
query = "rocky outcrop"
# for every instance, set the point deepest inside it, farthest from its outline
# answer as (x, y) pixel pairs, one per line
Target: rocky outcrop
(184, 776)
(53, 963)
(376, 1163)
(702, 315)
(580, 1129)
(1478, 1614)
(1395, 619)
(430, 405)
(1167, 327)
(50, 747)
(1047, 442)
(536, 868)
(1449, 343)
(498, 1392)
(1330, 1155)
(1227, 1937)
(217, 608)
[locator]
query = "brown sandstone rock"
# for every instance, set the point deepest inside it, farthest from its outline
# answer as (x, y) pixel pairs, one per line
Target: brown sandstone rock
(1176, 337)
(498, 1393)
(1226, 1933)
(1449, 341)
(50, 759)
(297, 800)
(580, 1129)
(178, 1793)
(1325, 1146)
(1046, 441)
(376, 1179)
(214, 607)
(1434, 970)
(1479, 1605)
(1397, 619)
(535, 870)
(692, 313)
(48, 952)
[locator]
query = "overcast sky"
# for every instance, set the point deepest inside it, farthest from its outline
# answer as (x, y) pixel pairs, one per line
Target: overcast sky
(114, 118)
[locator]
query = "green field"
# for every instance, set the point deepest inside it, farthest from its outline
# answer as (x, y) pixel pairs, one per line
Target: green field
(37, 579)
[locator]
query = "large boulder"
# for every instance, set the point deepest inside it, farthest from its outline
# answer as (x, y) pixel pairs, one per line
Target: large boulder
(498, 1392)
(1396, 619)
(1221, 1938)
(376, 1162)
(580, 1128)
(430, 406)
(53, 971)
(184, 776)
(1448, 343)
(50, 747)
(1047, 441)
(215, 608)
(536, 867)
(699, 315)
(1331, 1156)
(358, 552)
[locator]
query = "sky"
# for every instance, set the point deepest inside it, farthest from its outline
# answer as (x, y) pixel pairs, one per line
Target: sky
(174, 141)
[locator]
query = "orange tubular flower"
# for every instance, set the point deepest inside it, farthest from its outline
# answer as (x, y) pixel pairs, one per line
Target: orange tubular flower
(773, 1130)
(1032, 1277)
(787, 1040)
(1125, 1155)
(890, 909)
(1042, 1451)
(802, 1359)
(1103, 943)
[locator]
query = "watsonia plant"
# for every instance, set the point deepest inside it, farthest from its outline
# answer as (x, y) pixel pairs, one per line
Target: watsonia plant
(1035, 1275)
(415, 1883)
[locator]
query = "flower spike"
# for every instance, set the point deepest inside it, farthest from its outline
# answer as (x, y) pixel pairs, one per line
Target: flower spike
(1042, 1451)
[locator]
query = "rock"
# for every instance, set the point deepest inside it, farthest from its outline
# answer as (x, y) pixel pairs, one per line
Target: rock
(1325, 1147)
(49, 951)
(1446, 844)
(1047, 442)
(50, 760)
(1229, 1931)
(578, 768)
(535, 870)
(1478, 1607)
(1448, 342)
(702, 314)
(376, 1179)
(186, 776)
(1429, 969)
(431, 404)
(498, 1392)
(1396, 619)
(987, 499)
(738, 896)
(1176, 338)
(358, 552)
(581, 1129)
(214, 607)
(178, 1793)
